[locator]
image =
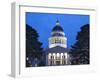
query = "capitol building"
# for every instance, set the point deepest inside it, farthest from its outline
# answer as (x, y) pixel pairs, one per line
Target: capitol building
(57, 52)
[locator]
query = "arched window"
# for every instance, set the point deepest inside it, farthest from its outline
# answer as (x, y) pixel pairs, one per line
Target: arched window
(59, 40)
(53, 41)
(56, 40)
(63, 41)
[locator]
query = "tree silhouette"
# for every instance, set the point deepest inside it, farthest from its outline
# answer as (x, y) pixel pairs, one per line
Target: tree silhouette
(33, 47)
(80, 50)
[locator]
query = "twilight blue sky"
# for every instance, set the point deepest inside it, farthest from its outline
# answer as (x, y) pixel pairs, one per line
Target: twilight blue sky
(44, 23)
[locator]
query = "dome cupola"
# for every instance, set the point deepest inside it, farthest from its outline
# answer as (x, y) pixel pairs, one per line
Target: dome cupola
(57, 30)
(57, 27)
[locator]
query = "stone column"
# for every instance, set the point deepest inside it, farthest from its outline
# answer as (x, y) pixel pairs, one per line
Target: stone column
(49, 58)
(61, 55)
(54, 58)
(66, 58)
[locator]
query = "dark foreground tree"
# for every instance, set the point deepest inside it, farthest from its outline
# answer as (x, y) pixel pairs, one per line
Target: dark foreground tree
(33, 48)
(80, 50)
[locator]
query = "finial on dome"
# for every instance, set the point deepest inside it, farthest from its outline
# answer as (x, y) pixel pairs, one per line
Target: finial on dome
(57, 22)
